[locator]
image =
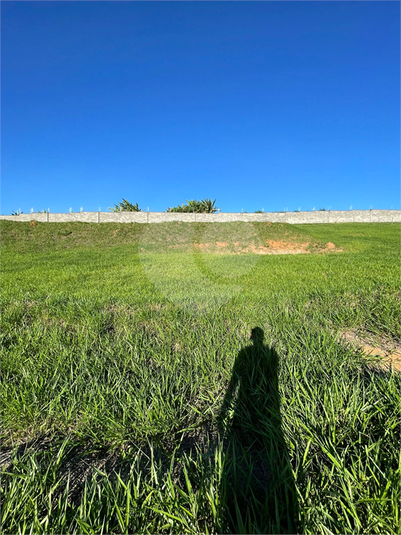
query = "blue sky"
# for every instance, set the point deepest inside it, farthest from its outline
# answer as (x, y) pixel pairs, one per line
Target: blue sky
(273, 105)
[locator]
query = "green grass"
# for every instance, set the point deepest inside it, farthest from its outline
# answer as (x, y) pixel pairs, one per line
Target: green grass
(134, 401)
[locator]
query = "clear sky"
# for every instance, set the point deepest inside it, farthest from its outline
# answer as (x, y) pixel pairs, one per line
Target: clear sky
(273, 105)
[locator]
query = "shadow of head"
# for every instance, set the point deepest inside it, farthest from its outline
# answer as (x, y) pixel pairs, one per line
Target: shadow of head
(257, 336)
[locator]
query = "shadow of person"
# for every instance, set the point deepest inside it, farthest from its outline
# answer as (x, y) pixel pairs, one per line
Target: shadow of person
(258, 489)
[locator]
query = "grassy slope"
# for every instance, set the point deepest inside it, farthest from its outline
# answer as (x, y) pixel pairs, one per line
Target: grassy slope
(112, 338)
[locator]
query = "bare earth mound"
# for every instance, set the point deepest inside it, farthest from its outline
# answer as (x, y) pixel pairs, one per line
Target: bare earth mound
(383, 353)
(271, 247)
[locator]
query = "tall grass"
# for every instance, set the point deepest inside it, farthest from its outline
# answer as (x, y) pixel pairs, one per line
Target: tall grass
(132, 405)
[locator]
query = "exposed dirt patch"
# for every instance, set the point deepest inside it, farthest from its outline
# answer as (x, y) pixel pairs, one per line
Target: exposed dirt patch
(330, 247)
(271, 247)
(288, 247)
(258, 239)
(381, 352)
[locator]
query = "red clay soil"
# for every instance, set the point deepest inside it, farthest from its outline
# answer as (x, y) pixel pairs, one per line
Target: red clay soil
(272, 247)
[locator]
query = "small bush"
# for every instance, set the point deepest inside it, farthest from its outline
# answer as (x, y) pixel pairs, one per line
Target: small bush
(205, 206)
(125, 206)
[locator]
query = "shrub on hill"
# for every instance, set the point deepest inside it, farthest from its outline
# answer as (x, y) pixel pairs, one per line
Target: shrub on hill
(206, 206)
(125, 206)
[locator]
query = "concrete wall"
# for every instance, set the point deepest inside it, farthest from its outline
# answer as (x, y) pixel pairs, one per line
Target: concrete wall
(348, 216)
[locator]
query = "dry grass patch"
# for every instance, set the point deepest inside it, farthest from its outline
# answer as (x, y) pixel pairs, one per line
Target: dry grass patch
(382, 352)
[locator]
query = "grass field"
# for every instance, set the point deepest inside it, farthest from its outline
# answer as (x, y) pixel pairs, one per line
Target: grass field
(187, 378)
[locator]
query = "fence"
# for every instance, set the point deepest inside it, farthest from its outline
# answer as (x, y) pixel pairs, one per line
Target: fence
(331, 216)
